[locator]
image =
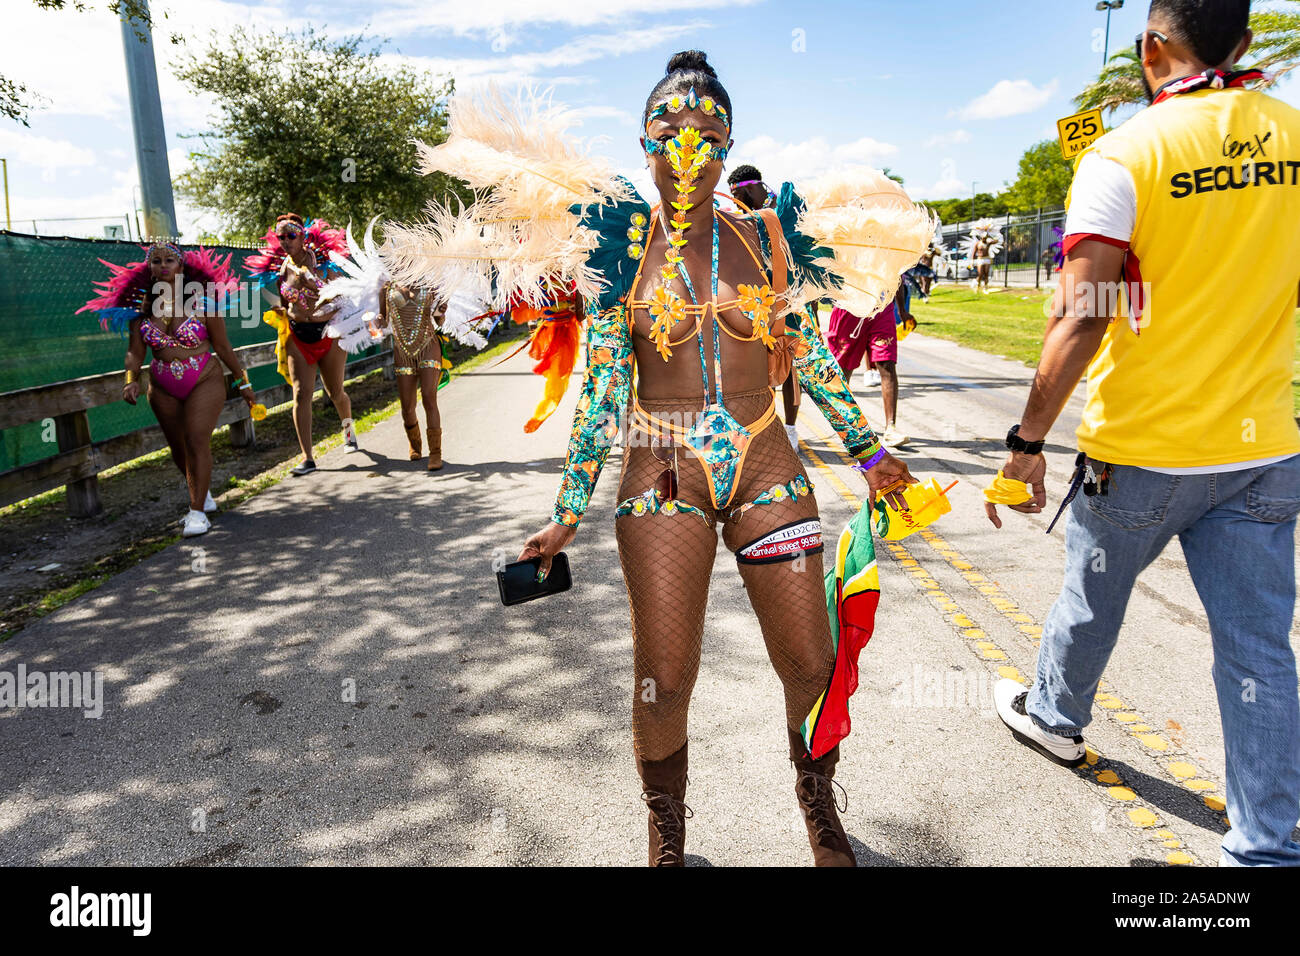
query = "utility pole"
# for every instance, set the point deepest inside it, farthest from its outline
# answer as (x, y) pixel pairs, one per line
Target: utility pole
(1108, 6)
(8, 222)
(147, 121)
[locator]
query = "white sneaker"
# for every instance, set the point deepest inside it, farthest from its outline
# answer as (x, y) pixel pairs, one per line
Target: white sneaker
(870, 378)
(893, 438)
(349, 437)
(209, 504)
(1009, 699)
(196, 523)
(792, 433)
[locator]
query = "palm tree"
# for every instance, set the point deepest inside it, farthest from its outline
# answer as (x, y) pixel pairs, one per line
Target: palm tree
(1118, 85)
(1277, 38)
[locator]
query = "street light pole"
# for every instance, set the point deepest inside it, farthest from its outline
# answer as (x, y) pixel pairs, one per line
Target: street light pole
(147, 121)
(973, 198)
(1108, 6)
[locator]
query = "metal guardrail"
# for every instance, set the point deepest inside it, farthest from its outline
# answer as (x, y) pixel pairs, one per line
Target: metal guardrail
(80, 460)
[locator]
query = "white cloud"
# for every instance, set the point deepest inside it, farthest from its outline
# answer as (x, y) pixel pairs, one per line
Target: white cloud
(1009, 98)
(780, 161)
(945, 188)
(519, 67)
(20, 146)
(942, 140)
(500, 19)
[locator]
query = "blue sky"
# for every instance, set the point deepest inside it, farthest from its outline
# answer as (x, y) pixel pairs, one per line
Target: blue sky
(945, 93)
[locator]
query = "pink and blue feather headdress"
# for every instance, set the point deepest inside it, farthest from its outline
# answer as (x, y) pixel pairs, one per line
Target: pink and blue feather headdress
(123, 294)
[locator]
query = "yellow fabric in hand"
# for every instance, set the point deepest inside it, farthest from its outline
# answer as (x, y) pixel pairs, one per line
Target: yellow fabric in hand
(278, 319)
(1007, 491)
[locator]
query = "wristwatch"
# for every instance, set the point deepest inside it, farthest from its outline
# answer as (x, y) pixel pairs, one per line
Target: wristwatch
(1017, 444)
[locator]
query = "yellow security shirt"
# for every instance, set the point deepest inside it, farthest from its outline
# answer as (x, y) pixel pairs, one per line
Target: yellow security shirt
(1217, 238)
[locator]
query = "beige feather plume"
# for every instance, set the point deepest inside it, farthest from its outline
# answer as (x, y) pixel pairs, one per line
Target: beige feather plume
(875, 230)
(518, 151)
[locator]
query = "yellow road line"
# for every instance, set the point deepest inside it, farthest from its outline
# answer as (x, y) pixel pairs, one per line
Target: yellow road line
(1139, 814)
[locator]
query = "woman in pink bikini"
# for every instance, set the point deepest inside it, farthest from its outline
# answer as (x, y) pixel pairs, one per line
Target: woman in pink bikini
(167, 304)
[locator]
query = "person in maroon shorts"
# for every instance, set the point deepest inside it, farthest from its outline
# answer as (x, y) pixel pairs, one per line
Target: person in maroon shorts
(852, 339)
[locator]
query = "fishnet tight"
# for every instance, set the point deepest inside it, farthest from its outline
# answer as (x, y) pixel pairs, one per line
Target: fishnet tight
(668, 561)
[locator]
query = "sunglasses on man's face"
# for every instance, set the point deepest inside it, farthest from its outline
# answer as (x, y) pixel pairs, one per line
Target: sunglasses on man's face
(1142, 37)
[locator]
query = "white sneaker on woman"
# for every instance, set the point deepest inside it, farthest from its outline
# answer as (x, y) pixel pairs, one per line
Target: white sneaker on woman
(209, 504)
(196, 523)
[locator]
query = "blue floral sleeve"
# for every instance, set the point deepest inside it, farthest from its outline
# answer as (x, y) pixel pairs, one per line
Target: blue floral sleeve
(599, 414)
(820, 376)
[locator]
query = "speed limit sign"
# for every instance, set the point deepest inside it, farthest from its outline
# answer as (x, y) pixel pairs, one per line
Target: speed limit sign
(1078, 132)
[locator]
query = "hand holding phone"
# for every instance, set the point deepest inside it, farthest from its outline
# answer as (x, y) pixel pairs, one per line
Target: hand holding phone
(522, 581)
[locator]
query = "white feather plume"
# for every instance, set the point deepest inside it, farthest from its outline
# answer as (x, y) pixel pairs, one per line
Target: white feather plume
(519, 233)
(355, 294)
(983, 230)
(876, 232)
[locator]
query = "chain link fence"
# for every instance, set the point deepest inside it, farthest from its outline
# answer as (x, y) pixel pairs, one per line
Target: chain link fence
(1030, 248)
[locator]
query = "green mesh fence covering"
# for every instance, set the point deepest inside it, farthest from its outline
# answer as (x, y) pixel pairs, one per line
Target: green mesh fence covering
(43, 281)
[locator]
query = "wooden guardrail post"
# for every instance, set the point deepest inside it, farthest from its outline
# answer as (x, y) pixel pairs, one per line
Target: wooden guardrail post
(72, 430)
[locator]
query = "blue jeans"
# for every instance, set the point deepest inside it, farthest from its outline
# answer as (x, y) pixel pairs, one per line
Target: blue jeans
(1238, 534)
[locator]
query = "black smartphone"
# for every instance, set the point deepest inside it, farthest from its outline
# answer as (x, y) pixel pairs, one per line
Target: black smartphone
(518, 582)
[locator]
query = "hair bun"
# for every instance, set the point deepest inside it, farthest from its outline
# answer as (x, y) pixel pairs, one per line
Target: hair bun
(290, 217)
(692, 60)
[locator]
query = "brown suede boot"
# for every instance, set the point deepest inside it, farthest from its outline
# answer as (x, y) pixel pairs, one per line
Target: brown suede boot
(665, 793)
(413, 436)
(815, 790)
(435, 449)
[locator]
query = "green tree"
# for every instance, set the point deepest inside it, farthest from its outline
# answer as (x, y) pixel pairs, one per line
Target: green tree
(959, 210)
(1277, 38)
(17, 101)
(1044, 179)
(314, 126)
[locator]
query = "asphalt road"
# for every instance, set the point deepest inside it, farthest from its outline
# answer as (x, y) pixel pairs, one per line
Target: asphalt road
(329, 677)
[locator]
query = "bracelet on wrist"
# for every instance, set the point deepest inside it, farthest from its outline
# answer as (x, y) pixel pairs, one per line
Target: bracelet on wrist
(132, 377)
(873, 461)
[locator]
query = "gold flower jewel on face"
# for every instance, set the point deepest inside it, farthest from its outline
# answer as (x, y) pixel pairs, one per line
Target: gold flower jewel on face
(687, 155)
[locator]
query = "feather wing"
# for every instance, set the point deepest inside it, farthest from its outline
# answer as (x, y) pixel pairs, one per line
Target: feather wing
(873, 231)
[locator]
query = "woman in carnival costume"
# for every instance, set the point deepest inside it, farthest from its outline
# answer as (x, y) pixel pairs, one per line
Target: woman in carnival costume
(981, 247)
(369, 305)
(683, 301)
(169, 303)
(293, 266)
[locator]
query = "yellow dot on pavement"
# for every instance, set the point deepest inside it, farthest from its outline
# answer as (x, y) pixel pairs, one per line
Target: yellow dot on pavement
(1107, 776)
(1215, 803)
(1179, 859)
(974, 633)
(961, 620)
(1112, 703)
(962, 565)
(1142, 817)
(1091, 755)
(1033, 630)
(1182, 770)
(989, 589)
(1122, 793)
(1200, 785)
(993, 654)
(1173, 844)
(1154, 741)
(973, 576)
(1021, 618)
(1140, 728)
(1009, 672)
(1165, 834)
(1126, 718)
